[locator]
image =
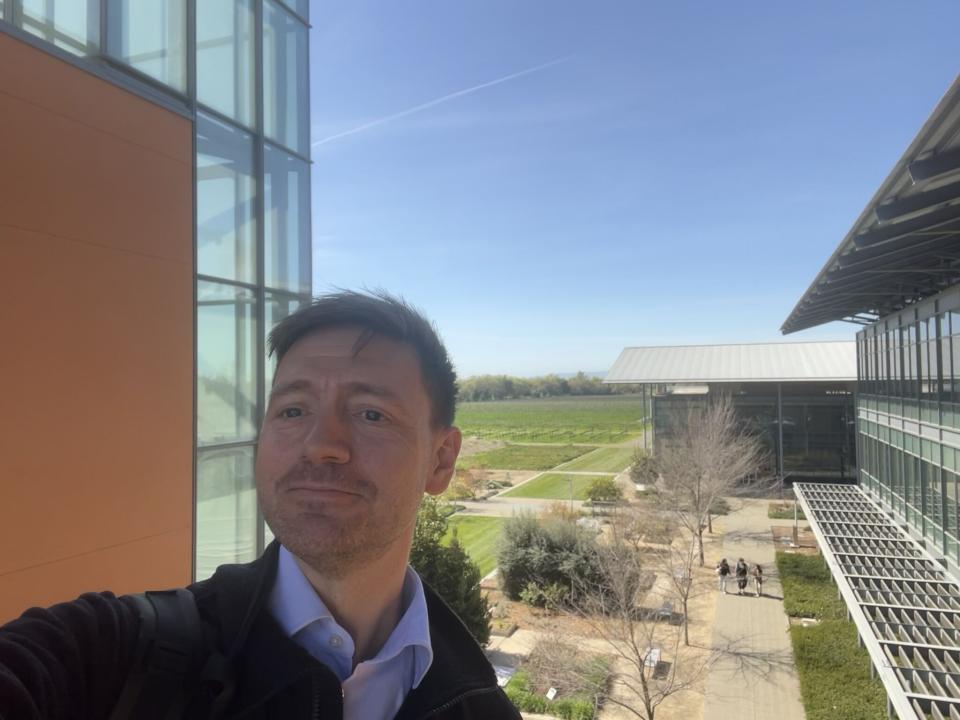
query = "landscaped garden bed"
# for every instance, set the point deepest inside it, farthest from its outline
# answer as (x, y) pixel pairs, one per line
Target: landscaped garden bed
(834, 670)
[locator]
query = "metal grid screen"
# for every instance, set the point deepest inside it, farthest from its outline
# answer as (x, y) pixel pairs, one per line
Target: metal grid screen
(905, 606)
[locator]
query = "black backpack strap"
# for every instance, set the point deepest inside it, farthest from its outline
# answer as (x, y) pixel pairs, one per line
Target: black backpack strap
(170, 660)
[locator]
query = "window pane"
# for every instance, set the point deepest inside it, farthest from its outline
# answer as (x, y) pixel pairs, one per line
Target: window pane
(73, 25)
(287, 222)
(226, 363)
(278, 307)
(285, 112)
(226, 508)
(226, 216)
(225, 76)
(150, 36)
(301, 7)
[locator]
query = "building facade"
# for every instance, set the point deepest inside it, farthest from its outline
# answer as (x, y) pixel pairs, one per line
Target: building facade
(798, 398)
(892, 542)
(155, 222)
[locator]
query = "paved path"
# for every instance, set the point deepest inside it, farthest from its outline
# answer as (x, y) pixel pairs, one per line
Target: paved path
(761, 683)
(508, 506)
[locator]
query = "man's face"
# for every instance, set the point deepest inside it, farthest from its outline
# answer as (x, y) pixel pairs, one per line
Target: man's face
(347, 450)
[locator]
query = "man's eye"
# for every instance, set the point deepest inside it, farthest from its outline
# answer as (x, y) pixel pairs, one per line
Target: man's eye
(291, 413)
(372, 415)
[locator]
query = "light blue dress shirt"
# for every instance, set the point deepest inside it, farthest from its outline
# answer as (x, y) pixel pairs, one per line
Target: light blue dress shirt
(376, 688)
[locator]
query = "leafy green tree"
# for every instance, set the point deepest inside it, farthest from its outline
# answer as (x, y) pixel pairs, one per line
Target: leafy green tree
(549, 553)
(448, 569)
(604, 489)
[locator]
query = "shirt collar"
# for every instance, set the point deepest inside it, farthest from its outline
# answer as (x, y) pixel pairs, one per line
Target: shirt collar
(295, 605)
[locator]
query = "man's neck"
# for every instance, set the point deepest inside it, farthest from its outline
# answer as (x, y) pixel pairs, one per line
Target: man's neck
(367, 602)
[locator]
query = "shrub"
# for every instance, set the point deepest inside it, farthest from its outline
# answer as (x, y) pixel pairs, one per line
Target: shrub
(604, 489)
(552, 552)
(720, 506)
(448, 569)
(644, 469)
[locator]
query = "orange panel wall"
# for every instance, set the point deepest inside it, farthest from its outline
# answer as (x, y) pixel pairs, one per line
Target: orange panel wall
(96, 336)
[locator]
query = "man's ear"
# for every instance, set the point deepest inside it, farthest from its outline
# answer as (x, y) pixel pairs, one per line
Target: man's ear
(444, 463)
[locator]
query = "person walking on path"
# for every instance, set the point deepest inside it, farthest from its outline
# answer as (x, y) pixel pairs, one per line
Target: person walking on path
(758, 578)
(723, 572)
(741, 576)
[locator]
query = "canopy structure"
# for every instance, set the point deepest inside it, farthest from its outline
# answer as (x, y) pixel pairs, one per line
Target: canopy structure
(905, 246)
(759, 362)
(905, 606)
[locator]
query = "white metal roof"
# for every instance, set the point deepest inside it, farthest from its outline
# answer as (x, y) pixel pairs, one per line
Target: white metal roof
(763, 362)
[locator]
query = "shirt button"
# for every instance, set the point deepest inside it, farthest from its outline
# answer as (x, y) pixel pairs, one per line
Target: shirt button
(336, 641)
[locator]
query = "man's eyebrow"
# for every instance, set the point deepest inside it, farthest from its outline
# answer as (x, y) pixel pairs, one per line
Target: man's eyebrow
(289, 387)
(371, 389)
(356, 388)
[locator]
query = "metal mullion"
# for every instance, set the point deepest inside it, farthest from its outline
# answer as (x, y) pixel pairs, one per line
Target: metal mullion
(224, 281)
(191, 67)
(283, 148)
(293, 13)
(232, 445)
(259, 204)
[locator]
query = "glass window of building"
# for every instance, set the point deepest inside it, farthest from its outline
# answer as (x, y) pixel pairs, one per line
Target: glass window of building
(72, 25)
(225, 47)
(226, 212)
(226, 363)
(285, 111)
(300, 7)
(226, 508)
(151, 37)
(287, 222)
(277, 308)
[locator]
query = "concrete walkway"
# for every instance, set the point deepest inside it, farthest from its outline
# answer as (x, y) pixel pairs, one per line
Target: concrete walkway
(757, 679)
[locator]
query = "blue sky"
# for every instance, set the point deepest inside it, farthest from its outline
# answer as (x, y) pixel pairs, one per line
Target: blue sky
(554, 181)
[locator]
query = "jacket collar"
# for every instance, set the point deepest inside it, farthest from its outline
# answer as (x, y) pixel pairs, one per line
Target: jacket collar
(236, 599)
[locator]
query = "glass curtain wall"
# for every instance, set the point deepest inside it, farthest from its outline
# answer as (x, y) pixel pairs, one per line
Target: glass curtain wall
(239, 69)
(253, 247)
(909, 417)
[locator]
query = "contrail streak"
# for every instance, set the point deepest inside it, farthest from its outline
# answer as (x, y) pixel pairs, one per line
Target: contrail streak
(437, 101)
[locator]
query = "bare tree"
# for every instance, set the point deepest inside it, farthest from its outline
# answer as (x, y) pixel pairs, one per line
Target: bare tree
(624, 613)
(709, 455)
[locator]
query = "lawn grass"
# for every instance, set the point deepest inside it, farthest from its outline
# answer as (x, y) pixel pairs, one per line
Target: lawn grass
(834, 670)
(586, 419)
(525, 457)
(602, 460)
(554, 486)
(479, 536)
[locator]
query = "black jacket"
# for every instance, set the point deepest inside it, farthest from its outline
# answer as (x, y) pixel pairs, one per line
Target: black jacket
(70, 661)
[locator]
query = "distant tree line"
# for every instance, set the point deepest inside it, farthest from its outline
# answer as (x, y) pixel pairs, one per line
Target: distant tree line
(505, 387)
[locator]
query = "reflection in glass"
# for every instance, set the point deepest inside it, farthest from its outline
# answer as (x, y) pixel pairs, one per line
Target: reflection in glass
(225, 77)
(226, 216)
(226, 508)
(73, 25)
(277, 308)
(301, 7)
(287, 222)
(151, 36)
(285, 114)
(226, 363)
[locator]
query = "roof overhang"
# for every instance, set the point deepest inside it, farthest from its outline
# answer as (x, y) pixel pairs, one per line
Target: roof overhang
(905, 246)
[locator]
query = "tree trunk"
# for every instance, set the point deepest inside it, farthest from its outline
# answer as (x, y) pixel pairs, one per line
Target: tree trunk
(700, 538)
(686, 632)
(710, 522)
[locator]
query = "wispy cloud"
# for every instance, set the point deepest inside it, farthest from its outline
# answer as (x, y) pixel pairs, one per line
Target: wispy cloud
(438, 101)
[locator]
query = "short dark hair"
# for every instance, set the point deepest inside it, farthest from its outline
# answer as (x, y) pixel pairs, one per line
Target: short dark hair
(378, 313)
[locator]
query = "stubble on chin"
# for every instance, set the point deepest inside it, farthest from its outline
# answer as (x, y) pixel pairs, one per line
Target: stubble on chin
(332, 542)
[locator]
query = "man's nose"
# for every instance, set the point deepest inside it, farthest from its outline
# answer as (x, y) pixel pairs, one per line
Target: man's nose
(328, 440)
